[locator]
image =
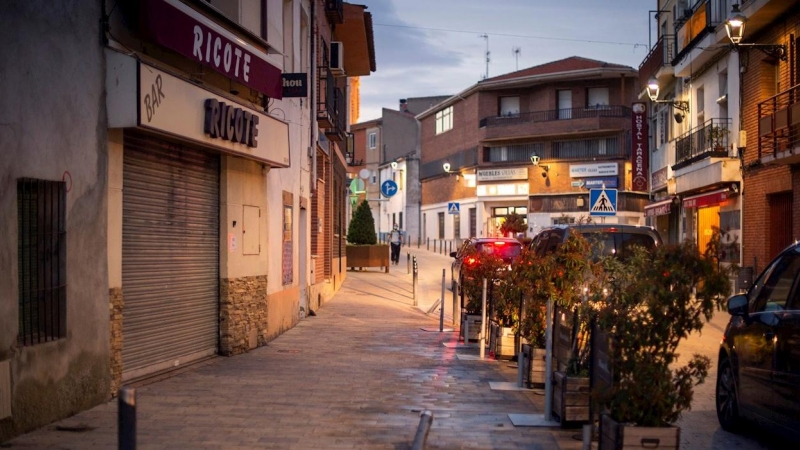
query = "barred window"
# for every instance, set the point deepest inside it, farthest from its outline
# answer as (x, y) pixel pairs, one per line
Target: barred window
(42, 253)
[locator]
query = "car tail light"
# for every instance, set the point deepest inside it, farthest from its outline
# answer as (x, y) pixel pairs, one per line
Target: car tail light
(471, 261)
(499, 243)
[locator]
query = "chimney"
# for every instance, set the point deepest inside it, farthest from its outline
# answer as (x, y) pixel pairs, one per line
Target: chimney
(403, 105)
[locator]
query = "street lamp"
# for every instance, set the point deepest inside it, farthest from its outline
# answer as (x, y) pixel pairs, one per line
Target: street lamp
(446, 167)
(734, 26)
(652, 92)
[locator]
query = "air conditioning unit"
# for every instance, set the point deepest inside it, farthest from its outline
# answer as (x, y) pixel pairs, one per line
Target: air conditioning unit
(337, 58)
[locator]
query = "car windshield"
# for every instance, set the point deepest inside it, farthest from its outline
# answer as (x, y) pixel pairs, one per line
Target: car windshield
(502, 249)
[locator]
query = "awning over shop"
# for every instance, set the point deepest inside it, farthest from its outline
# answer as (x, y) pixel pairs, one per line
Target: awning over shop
(659, 208)
(706, 199)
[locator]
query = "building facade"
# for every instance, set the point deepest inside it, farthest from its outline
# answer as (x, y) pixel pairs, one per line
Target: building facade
(178, 159)
(533, 142)
(730, 164)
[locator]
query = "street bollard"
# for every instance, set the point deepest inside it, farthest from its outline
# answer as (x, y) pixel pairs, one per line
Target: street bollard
(126, 417)
(455, 306)
(483, 321)
(424, 427)
(427, 243)
(434, 246)
(441, 307)
(521, 364)
(419, 238)
(408, 263)
(414, 281)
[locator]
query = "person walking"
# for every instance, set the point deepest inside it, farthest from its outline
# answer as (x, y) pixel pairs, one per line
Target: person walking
(396, 240)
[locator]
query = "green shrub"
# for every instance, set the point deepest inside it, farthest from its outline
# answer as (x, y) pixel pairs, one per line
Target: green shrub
(362, 227)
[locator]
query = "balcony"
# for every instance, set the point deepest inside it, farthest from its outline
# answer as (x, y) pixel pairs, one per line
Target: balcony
(660, 56)
(709, 140)
(779, 128)
(557, 121)
(334, 11)
(331, 107)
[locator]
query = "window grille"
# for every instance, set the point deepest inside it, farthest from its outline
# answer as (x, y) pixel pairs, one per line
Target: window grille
(42, 249)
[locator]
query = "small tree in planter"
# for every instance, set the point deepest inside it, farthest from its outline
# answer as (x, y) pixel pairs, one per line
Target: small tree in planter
(514, 223)
(477, 266)
(362, 249)
(362, 227)
(656, 299)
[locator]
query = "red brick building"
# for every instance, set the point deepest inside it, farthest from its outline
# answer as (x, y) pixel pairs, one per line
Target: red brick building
(530, 142)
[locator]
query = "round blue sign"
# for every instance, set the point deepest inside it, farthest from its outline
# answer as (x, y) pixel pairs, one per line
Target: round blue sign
(388, 188)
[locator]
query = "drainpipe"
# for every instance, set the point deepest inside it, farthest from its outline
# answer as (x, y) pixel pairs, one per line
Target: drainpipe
(312, 146)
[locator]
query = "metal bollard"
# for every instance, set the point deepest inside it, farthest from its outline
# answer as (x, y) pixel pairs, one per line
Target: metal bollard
(441, 306)
(483, 321)
(126, 418)
(424, 427)
(455, 306)
(408, 263)
(427, 243)
(414, 281)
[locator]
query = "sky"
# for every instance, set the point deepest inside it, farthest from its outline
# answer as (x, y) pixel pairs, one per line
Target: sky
(434, 47)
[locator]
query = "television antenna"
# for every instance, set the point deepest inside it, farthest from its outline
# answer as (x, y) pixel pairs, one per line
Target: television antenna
(516, 51)
(485, 37)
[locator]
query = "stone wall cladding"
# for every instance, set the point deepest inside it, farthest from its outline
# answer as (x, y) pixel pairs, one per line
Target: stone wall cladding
(243, 307)
(115, 304)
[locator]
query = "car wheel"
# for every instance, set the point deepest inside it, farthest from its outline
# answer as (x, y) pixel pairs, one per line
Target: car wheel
(727, 401)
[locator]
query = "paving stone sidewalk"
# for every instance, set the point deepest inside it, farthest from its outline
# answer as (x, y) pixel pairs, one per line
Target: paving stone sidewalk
(356, 376)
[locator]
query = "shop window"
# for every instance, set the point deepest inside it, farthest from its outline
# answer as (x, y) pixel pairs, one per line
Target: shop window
(42, 260)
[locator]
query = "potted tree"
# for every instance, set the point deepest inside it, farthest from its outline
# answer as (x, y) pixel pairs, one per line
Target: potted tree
(514, 223)
(362, 248)
(655, 300)
(477, 266)
(717, 135)
(577, 288)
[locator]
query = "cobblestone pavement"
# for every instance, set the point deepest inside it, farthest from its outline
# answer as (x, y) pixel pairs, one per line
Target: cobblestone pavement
(356, 376)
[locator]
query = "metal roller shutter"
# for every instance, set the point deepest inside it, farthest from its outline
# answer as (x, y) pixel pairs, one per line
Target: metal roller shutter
(170, 255)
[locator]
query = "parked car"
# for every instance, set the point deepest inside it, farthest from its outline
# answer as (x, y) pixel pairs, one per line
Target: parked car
(758, 376)
(506, 248)
(611, 239)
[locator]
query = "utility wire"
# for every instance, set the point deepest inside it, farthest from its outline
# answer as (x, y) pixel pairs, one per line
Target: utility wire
(509, 35)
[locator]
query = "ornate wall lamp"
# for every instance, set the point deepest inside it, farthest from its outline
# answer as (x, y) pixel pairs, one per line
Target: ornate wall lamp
(652, 92)
(734, 26)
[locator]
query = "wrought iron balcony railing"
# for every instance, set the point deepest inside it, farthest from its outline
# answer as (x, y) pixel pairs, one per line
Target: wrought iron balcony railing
(660, 55)
(707, 140)
(779, 123)
(334, 11)
(556, 114)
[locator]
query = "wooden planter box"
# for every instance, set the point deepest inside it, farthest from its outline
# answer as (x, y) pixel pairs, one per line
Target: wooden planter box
(470, 323)
(368, 256)
(620, 436)
(501, 341)
(537, 366)
(571, 398)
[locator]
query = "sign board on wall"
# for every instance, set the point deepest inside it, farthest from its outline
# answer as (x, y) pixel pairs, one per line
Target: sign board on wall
(639, 151)
(295, 84)
(177, 26)
(593, 170)
(516, 173)
(171, 105)
(660, 178)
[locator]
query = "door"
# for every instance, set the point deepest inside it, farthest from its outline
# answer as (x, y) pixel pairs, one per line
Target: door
(780, 222)
(303, 260)
(707, 219)
(787, 363)
(565, 104)
(170, 255)
(754, 337)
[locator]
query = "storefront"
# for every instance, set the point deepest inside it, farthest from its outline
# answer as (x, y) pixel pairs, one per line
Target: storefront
(501, 192)
(718, 209)
(192, 218)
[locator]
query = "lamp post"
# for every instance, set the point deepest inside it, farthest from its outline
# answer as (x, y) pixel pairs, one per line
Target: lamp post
(734, 26)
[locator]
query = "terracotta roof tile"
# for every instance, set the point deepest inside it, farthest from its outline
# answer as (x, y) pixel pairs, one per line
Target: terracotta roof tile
(562, 65)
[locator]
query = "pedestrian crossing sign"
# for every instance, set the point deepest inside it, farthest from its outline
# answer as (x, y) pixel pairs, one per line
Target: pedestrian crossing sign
(603, 201)
(453, 208)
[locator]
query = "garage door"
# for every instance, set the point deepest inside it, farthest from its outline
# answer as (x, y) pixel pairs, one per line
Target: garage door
(170, 255)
